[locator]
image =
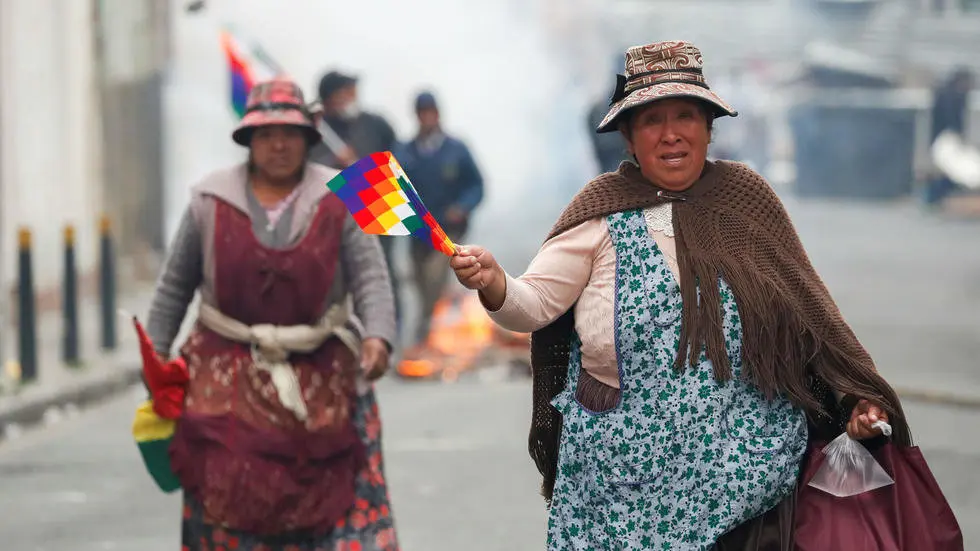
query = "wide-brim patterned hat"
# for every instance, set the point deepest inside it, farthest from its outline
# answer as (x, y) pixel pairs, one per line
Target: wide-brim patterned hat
(275, 102)
(659, 71)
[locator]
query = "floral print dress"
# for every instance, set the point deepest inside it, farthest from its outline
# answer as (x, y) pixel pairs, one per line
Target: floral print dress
(682, 459)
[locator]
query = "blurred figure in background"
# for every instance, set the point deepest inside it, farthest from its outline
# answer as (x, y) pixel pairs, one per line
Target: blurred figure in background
(610, 149)
(279, 444)
(446, 176)
(349, 134)
(949, 113)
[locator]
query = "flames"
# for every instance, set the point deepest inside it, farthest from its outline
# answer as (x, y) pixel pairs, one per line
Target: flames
(462, 337)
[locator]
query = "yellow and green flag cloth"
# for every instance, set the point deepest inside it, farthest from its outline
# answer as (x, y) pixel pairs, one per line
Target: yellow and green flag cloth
(153, 434)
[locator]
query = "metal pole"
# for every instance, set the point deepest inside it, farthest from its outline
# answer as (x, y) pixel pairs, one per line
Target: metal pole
(107, 284)
(69, 352)
(26, 319)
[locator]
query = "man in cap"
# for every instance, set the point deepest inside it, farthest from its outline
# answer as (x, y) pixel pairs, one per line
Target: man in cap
(348, 132)
(348, 135)
(446, 177)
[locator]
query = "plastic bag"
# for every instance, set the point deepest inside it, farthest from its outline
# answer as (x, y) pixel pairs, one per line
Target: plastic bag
(850, 469)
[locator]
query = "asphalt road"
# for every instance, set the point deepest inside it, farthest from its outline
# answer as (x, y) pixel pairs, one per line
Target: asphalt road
(459, 475)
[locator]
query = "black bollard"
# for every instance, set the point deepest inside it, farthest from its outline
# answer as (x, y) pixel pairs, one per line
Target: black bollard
(107, 284)
(69, 351)
(26, 314)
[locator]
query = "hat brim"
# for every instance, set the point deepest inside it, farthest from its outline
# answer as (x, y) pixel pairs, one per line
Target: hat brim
(657, 92)
(276, 117)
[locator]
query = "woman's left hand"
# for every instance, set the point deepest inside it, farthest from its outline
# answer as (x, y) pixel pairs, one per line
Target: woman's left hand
(374, 358)
(864, 415)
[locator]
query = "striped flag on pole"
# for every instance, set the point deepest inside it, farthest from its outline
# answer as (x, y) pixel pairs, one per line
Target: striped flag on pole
(248, 63)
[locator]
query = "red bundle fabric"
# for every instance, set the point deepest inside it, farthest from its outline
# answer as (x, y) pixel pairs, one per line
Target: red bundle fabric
(167, 381)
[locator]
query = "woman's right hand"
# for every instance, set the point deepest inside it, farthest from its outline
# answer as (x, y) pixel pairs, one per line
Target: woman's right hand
(477, 269)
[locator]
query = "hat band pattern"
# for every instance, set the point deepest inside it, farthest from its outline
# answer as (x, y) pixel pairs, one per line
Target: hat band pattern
(626, 86)
(275, 106)
(642, 80)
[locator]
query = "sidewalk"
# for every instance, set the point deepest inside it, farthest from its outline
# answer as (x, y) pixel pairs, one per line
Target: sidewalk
(100, 374)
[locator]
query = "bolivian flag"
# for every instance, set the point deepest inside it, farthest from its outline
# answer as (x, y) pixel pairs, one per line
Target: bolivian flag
(155, 421)
(153, 434)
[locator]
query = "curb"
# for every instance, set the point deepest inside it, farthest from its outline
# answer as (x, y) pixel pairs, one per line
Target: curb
(82, 395)
(939, 398)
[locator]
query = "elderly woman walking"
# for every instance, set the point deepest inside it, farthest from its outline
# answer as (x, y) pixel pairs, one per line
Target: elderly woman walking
(278, 446)
(682, 342)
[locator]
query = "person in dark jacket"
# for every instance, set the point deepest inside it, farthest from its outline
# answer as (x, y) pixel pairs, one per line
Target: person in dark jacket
(446, 177)
(349, 134)
(949, 113)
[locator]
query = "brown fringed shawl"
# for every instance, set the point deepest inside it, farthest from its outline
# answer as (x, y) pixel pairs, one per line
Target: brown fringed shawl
(731, 224)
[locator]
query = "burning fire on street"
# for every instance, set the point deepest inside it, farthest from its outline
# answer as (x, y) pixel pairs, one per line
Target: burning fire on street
(464, 338)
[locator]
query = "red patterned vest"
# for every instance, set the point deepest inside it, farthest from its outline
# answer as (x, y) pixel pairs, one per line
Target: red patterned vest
(248, 460)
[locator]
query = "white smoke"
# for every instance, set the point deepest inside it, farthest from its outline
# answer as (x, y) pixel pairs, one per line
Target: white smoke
(504, 86)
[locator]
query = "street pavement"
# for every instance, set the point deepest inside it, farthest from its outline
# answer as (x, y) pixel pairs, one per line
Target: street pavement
(909, 284)
(459, 474)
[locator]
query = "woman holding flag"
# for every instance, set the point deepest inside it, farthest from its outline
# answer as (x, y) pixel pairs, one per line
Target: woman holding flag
(683, 347)
(278, 443)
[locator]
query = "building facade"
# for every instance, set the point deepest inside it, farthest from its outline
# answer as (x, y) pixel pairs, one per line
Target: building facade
(80, 125)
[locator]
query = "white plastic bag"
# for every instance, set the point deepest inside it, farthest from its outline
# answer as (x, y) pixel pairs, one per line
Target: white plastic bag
(957, 159)
(850, 469)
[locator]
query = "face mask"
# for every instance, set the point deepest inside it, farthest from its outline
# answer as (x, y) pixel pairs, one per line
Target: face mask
(350, 111)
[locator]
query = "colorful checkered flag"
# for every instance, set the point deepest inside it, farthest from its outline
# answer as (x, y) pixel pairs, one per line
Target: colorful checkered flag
(382, 200)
